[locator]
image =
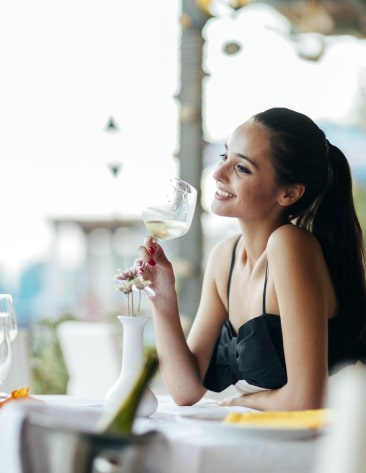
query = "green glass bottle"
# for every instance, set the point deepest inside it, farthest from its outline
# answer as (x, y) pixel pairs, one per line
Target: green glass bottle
(121, 420)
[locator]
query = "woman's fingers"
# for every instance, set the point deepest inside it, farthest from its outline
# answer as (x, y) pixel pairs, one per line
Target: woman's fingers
(154, 266)
(150, 244)
(146, 257)
(151, 252)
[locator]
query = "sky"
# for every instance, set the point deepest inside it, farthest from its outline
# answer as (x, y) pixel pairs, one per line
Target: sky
(68, 67)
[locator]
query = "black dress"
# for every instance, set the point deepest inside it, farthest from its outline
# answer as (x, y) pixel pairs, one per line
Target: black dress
(256, 353)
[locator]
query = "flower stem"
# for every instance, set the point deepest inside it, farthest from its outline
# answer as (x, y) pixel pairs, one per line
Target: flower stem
(139, 303)
(129, 303)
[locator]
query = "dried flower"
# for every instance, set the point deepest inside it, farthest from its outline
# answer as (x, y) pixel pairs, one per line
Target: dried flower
(131, 281)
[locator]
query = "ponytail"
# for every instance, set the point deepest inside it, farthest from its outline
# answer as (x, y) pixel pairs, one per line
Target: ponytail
(337, 227)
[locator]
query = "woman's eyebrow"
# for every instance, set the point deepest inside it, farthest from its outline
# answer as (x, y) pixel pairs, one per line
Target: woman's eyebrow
(242, 156)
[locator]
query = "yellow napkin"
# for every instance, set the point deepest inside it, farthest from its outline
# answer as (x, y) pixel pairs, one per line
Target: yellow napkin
(307, 419)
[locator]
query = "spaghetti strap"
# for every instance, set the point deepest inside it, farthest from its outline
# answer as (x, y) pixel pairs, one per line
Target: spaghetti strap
(231, 271)
(265, 289)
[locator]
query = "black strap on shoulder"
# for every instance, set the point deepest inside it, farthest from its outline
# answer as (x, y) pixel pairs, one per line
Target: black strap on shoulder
(265, 289)
(231, 270)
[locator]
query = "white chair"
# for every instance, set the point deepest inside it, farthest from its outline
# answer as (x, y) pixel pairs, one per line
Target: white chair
(92, 356)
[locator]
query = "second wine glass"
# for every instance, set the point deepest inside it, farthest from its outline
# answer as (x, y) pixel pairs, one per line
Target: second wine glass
(5, 348)
(172, 215)
(8, 312)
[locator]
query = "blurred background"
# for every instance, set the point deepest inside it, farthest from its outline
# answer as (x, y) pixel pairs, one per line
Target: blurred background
(101, 102)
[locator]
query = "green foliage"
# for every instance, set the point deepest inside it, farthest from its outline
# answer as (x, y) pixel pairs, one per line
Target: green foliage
(49, 370)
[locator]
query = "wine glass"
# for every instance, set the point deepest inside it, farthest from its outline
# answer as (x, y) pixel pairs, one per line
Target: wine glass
(172, 215)
(7, 308)
(5, 348)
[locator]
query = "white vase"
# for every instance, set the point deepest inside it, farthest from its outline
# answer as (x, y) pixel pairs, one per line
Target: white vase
(132, 363)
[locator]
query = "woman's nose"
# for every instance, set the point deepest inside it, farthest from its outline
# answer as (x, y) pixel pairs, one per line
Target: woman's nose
(220, 172)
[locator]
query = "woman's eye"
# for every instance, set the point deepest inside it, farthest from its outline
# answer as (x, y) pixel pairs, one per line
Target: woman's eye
(242, 168)
(239, 167)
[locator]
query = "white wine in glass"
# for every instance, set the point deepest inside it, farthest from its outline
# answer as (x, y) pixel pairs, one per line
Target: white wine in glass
(172, 216)
(166, 229)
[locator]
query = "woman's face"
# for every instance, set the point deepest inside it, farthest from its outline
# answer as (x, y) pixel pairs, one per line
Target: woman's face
(245, 179)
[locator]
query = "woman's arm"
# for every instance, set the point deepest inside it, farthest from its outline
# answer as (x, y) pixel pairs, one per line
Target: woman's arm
(301, 283)
(182, 365)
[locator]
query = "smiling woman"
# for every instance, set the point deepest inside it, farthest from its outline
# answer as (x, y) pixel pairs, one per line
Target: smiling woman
(276, 313)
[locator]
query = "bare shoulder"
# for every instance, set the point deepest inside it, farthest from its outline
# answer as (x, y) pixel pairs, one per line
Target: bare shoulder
(289, 237)
(224, 249)
(220, 257)
(293, 247)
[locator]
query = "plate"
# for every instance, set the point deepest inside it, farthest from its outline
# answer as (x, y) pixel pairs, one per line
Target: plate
(213, 423)
(64, 400)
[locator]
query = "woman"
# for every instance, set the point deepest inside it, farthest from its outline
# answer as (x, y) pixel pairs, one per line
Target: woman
(283, 303)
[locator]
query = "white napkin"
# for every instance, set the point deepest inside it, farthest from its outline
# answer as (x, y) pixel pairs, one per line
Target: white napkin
(11, 419)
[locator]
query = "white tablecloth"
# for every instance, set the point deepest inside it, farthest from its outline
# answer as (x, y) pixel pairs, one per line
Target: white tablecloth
(195, 448)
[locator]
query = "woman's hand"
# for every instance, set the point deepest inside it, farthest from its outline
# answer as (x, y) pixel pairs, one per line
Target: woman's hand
(236, 400)
(155, 267)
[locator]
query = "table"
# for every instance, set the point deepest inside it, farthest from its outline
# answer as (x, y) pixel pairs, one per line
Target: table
(194, 448)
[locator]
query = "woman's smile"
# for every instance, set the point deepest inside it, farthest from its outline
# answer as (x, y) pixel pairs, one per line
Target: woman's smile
(221, 194)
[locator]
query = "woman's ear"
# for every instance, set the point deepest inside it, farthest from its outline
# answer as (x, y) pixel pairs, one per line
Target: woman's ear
(291, 194)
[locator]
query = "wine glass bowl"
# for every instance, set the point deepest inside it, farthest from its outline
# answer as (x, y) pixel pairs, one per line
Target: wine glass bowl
(171, 217)
(5, 346)
(7, 309)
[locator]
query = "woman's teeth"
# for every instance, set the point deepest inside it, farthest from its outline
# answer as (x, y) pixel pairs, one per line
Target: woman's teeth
(224, 193)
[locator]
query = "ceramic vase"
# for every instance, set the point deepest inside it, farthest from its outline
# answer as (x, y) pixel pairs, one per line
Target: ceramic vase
(132, 363)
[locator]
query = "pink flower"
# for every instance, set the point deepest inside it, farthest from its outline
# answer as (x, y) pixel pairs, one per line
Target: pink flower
(128, 282)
